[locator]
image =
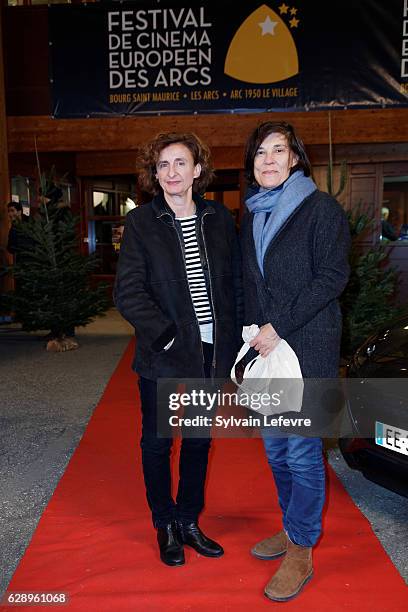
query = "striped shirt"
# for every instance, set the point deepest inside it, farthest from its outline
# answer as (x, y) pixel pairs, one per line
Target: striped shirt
(195, 273)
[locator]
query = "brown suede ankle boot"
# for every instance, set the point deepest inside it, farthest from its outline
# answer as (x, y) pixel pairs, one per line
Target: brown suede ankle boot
(294, 572)
(271, 548)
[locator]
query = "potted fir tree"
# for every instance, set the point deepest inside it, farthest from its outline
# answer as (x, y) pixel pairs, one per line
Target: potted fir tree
(53, 289)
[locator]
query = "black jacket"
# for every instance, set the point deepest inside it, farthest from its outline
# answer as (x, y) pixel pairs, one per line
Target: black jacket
(18, 240)
(152, 292)
(306, 269)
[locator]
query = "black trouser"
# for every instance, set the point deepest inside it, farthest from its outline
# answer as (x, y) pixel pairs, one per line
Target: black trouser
(156, 462)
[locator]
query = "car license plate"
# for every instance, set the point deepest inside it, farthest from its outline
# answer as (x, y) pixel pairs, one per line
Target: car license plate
(391, 437)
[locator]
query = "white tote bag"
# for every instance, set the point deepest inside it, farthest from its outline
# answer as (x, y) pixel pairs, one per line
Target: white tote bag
(265, 374)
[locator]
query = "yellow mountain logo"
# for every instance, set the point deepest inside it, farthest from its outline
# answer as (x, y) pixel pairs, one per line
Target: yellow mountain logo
(263, 50)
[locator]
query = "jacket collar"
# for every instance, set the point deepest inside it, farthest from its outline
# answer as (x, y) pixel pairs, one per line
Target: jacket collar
(161, 207)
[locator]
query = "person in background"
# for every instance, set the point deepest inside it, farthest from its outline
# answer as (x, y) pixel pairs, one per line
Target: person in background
(178, 284)
(15, 211)
(15, 242)
(15, 215)
(387, 229)
(295, 245)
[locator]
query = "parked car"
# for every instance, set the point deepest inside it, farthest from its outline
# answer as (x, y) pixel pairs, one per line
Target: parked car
(377, 390)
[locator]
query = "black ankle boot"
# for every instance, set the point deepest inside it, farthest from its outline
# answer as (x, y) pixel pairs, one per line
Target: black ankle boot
(192, 535)
(171, 549)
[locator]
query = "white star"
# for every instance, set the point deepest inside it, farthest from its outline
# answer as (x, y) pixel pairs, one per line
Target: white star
(268, 26)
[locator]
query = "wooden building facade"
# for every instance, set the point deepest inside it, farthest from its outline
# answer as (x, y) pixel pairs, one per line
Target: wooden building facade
(95, 158)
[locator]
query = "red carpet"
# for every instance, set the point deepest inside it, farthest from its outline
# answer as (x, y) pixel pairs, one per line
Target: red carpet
(95, 539)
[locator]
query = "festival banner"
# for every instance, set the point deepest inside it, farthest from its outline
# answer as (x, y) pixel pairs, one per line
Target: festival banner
(130, 58)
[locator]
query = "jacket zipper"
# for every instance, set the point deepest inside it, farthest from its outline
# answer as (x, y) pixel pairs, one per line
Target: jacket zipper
(214, 359)
(189, 290)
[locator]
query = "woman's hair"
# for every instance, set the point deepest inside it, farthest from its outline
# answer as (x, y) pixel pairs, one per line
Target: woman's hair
(275, 127)
(149, 155)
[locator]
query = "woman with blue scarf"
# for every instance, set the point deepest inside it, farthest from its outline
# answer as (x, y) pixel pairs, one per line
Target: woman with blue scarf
(295, 242)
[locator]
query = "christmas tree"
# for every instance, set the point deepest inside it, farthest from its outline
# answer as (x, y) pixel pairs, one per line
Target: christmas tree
(52, 279)
(368, 300)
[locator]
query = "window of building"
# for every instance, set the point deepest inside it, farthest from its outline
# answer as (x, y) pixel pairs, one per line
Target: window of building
(109, 201)
(225, 188)
(23, 190)
(394, 210)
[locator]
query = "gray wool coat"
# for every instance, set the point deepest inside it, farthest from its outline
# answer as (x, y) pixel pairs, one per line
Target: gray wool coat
(306, 269)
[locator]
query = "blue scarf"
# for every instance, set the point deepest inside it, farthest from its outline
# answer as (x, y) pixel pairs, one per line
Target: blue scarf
(280, 202)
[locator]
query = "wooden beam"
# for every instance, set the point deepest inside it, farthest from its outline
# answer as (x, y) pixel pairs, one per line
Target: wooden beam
(4, 172)
(359, 153)
(218, 130)
(106, 163)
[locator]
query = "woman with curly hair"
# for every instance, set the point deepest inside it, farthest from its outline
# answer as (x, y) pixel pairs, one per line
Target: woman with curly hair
(178, 285)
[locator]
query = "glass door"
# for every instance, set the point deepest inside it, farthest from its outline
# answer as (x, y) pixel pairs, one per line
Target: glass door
(108, 202)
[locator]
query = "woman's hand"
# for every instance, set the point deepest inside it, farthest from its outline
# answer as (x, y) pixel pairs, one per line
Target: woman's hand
(266, 340)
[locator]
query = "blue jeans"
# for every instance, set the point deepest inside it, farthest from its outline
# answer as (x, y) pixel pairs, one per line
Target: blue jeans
(298, 470)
